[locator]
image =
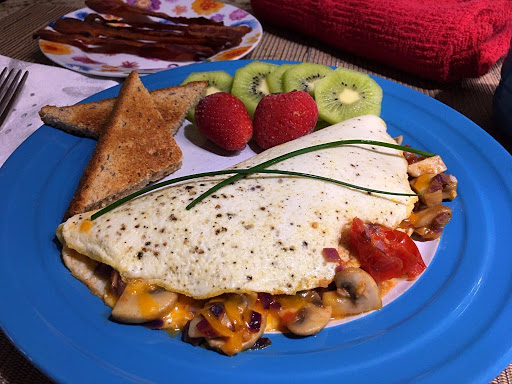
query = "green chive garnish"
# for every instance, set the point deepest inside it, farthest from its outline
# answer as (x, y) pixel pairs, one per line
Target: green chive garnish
(302, 151)
(241, 172)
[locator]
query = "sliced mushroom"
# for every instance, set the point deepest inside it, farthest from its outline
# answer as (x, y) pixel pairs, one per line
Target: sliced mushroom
(219, 343)
(311, 319)
(311, 297)
(195, 341)
(430, 187)
(431, 199)
(430, 216)
(356, 293)
(192, 328)
(432, 165)
(135, 306)
(449, 186)
(427, 233)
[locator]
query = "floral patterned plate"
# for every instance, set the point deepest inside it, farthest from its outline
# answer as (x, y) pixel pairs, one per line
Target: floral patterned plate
(120, 64)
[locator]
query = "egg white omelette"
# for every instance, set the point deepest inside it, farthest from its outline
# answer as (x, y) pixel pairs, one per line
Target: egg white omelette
(264, 233)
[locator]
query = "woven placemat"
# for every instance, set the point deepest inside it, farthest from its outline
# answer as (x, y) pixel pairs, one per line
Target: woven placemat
(471, 97)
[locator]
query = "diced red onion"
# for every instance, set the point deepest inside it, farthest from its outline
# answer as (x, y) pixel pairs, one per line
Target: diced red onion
(266, 299)
(380, 245)
(441, 220)
(206, 329)
(366, 236)
(445, 178)
(216, 309)
(436, 183)
(339, 268)
(438, 232)
(410, 157)
(331, 254)
(275, 305)
(255, 322)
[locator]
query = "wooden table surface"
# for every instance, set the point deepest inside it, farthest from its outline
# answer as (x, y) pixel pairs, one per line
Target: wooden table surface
(471, 97)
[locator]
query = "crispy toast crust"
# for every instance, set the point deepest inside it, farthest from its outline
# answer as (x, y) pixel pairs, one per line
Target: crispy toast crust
(88, 119)
(134, 149)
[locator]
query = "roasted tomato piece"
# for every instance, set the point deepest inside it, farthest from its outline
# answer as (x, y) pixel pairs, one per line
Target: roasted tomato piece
(385, 253)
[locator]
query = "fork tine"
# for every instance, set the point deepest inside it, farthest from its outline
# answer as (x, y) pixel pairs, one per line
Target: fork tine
(11, 95)
(5, 96)
(6, 80)
(2, 74)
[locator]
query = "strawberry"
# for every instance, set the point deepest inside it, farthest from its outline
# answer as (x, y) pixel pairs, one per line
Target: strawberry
(282, 117)
(223, 119)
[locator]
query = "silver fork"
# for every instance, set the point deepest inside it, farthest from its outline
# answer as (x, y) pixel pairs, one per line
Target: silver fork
(10, 87)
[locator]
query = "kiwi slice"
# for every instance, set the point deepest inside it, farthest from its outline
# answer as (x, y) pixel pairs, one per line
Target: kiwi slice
(250, 83)
(345, 94)
(218, 81)
(275, 79)
(304, 76)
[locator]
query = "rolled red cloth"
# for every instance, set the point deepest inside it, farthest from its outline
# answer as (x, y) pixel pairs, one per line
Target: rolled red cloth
(441, 40)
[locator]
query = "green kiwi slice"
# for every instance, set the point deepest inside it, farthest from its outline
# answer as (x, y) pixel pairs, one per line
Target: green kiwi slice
(304, 76)
(250, 84)
(345, 94)
(275, 79)
(218, 81)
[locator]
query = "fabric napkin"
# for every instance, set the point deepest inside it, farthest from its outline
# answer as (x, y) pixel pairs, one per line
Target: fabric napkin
(440, 40)
(45, 85)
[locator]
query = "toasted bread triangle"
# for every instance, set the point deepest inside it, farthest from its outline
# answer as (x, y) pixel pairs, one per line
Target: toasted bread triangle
(134, 149)
(88, 119)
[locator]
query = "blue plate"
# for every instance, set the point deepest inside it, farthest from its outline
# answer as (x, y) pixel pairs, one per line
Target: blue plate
(454, 323)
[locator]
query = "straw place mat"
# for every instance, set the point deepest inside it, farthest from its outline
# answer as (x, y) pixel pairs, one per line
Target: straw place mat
(471, 97)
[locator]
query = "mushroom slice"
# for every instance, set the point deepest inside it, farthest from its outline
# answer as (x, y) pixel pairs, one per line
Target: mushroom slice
(449, 187)
(431, 199)
(139, 306)
(311, 297)
(437, 216)
(220, 343)
(192, 328)
(357, 293)
(311, 319)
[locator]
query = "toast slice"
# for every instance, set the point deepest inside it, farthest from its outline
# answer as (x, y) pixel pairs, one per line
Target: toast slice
(134, 149)
(88, 119)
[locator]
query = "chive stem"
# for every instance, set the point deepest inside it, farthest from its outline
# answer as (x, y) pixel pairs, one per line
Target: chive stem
(302, 151)
(239, 172)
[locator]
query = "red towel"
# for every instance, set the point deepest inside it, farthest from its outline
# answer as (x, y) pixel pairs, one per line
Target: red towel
(443, 40)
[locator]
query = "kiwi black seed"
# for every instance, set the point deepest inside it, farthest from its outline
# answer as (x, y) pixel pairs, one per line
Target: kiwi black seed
(344, 94)
(304, 76)
(275, 79)
(218, 81)
(250, 83)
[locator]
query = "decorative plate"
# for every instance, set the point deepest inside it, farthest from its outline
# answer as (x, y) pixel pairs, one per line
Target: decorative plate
(453, 324)
(120, 64)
